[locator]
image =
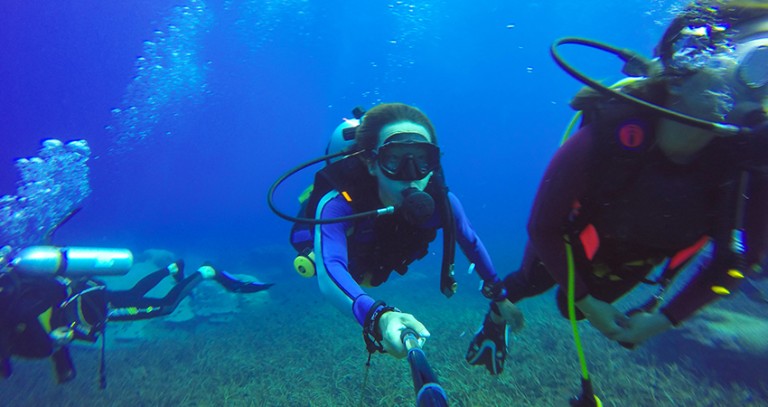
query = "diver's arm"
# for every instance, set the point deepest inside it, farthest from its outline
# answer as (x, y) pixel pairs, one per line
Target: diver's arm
(699, 291)
(331, 261)
(470, 243)
(473, 248)
(564, 182)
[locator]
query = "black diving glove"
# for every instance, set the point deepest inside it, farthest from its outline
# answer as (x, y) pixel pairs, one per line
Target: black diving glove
(489, 346)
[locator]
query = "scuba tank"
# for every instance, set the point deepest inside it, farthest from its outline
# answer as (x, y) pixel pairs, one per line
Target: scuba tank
(72, 261)
(342, 139)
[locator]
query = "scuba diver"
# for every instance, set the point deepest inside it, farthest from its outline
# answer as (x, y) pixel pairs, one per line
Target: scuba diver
(49, 298)
(664, 183)
(375, 211)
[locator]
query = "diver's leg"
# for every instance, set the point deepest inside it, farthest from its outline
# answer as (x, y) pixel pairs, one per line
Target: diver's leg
(126, 307)
(151, 280)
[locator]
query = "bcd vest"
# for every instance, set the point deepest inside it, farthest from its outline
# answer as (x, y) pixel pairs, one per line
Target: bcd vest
(376, 246)
(641, 204)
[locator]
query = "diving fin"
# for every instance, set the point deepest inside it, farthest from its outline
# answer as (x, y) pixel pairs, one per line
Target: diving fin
(489, 346)
(232, 284)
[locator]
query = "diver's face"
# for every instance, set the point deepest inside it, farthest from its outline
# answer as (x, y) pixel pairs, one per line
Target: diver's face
(391, 190)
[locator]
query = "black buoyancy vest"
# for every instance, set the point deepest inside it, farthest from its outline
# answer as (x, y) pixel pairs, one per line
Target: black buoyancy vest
(376, 246)
(641, 203)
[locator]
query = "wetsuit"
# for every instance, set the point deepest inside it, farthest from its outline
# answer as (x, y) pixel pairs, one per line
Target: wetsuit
(651, 211)
(341, 268)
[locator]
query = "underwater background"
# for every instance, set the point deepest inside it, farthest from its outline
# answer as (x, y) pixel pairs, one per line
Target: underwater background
(192, 109)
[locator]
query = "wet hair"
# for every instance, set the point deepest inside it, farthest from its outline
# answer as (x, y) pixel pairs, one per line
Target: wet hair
(367, 133)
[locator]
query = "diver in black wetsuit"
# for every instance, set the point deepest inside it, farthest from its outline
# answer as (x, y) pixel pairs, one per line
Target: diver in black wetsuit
(41, 314)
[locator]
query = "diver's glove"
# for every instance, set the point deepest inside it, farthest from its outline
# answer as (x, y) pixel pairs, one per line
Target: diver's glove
(489, 346)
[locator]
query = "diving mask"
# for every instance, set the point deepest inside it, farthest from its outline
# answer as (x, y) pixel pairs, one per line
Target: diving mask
(407, 160)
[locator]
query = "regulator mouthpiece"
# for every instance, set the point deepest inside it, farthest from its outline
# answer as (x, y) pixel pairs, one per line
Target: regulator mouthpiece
(418, 206)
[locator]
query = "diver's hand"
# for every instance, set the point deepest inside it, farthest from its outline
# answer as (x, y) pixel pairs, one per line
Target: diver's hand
(510, 314)
(391, 326)
(642, 326)
(603, 316)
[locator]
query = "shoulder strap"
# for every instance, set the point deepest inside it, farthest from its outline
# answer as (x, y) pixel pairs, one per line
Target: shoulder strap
(349, 176)
(448, 285)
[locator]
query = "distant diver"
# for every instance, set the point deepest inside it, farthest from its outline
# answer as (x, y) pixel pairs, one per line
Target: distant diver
(49, 298)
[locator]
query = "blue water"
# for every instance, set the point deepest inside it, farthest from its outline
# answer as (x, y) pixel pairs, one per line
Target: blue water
(259, 86)
(193, 108)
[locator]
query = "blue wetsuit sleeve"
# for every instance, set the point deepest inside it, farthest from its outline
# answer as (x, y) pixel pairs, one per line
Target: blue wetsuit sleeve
(470, 243)
(333, 277)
